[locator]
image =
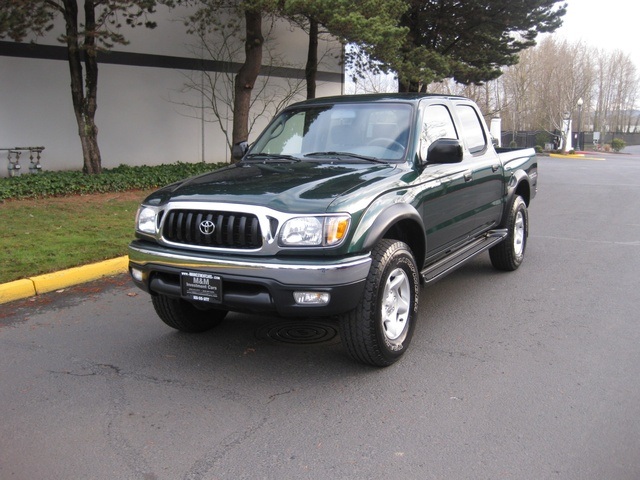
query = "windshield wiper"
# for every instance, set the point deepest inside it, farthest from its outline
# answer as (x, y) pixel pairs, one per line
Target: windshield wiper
(344, 154)
(271, 157)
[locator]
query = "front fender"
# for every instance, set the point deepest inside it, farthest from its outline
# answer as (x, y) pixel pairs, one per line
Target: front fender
(400, 221)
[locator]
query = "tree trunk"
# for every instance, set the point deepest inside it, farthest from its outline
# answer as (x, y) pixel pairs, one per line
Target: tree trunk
(311, 69)
(403, 87)
(83, 107)
(91, 151)
(247, 75)
(411, 86)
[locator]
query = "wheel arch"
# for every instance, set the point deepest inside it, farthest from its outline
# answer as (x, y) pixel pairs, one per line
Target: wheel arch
(519, 184)
(399, 221)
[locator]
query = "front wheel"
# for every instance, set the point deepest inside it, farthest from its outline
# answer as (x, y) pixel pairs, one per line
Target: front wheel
(509, 254)
(378, 331)
(183, 316)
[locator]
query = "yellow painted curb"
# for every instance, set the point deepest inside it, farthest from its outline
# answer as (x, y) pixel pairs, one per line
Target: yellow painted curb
(74, 276)
(50, 282)
(579, 156)
(16, 290)
(566, 155)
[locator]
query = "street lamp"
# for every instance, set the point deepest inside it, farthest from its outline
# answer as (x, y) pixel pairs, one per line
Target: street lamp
(580, 102)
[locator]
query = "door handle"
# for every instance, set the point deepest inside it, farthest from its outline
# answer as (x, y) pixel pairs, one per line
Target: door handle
(495, 167)
(468, 176)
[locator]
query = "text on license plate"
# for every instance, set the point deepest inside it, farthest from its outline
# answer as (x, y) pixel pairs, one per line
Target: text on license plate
(202, 287)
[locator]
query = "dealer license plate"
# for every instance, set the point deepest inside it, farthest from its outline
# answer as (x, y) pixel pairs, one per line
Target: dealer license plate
(202, 287)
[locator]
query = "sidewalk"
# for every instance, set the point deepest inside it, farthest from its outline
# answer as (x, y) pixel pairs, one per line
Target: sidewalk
(50, 282)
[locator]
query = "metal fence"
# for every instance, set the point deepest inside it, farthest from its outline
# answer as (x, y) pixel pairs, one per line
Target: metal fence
(530, 139)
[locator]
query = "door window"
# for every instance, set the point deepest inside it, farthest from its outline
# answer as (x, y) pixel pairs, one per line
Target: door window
(472, 130)
(436, 123)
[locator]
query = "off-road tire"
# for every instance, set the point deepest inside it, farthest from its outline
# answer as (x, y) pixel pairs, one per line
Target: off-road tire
(378, 331)
(183, 316)
(509, 254)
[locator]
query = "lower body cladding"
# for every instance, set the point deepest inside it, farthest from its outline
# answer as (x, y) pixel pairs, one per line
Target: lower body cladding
(287, 287)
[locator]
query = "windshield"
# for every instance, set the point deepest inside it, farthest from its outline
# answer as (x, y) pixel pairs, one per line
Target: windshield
(349, 132)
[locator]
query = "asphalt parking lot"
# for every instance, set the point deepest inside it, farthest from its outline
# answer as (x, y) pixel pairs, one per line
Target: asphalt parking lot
(524, 375)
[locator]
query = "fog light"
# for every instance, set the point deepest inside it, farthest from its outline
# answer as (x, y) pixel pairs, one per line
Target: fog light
(136, 274)
(311, 298)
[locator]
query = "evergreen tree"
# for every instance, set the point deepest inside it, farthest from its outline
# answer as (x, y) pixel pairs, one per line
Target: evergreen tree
(371, 25)
(469, 40)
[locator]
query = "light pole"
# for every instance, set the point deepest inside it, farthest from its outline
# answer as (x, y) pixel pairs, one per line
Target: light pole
(580, 102)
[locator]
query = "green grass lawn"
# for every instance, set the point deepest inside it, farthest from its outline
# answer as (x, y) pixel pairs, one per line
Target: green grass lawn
(50, 234)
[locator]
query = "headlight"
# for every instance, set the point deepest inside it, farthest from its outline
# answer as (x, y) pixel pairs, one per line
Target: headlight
(314, 231)
(147, 220)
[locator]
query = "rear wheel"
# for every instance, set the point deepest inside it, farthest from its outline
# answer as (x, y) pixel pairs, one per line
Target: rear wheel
(183, 316)
(509, 254)
(378, 331)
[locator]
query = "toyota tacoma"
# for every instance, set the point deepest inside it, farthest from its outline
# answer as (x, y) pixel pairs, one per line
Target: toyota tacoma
(343, 207)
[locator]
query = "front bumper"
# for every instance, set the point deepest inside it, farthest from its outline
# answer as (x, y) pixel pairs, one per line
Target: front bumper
(255, 284)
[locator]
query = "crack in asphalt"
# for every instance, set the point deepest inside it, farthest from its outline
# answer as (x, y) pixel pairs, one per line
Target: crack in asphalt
(119, 403)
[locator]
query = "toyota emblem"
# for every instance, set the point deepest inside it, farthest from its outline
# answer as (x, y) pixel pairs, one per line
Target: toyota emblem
(207, 227)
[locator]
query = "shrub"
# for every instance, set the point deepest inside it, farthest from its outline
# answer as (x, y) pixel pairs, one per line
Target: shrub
(539, 149)
(542, 138)
(617, 144)
(124, 177)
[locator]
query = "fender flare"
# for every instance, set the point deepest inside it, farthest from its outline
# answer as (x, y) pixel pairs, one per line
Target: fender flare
(391, 216)
(519, 179)
(518, 182)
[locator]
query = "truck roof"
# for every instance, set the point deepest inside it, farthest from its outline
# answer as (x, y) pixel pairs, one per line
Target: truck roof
(375, 98)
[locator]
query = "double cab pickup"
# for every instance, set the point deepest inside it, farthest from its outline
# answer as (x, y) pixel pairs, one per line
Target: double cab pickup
(343, 207)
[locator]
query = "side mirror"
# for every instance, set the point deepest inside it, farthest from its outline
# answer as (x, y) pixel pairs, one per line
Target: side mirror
(239, 149)
(445, 150)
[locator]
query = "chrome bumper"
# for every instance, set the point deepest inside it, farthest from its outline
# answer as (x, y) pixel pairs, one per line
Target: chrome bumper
(255, 285)
(317, 272)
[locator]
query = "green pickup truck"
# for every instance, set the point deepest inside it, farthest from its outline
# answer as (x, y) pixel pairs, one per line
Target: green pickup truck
(343, 207)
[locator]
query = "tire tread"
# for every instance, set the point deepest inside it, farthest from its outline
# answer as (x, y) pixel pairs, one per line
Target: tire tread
(502, 255)
(359, 337)
(184, 317)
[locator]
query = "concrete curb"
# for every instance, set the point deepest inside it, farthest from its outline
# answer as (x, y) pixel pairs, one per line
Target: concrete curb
(50, 282)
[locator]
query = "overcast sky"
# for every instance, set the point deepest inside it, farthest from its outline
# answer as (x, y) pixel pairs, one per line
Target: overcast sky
(606, 24)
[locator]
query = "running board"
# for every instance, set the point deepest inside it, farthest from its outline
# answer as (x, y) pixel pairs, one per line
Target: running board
(458, 257)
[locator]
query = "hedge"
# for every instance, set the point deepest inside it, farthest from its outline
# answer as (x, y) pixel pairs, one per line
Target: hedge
(122, 178)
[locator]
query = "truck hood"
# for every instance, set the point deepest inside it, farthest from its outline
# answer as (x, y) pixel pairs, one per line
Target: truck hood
(301, 187)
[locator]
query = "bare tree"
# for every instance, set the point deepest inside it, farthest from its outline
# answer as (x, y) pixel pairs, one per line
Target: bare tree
(559, 73)
(541, 92)
(216, 87)
(371, 82)
(617, 91)
(89, 27)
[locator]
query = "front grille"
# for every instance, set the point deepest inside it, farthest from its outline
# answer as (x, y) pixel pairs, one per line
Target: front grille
(229, 229)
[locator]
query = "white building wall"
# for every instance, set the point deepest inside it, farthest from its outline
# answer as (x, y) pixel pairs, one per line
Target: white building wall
(140, 116)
